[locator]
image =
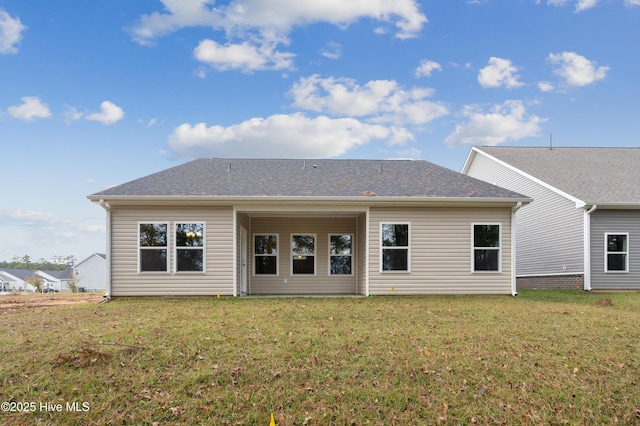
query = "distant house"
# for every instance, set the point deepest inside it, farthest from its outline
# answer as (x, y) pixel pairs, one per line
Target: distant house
(583, 227)
(299, 227)
(15, 279)
(56, 280)
(91, 273)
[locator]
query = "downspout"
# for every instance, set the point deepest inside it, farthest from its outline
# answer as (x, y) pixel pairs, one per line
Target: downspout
(515, 208)
(107, 208)
(586, 233)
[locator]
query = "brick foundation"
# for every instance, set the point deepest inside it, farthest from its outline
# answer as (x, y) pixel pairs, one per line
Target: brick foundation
(551, 282)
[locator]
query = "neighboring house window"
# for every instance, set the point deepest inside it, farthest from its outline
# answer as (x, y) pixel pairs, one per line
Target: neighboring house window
(340, 254)
(396, 256)
(153, 244)
(189, 247)
(266, 254)
(303, 251)
(486, 247)
(616, 258)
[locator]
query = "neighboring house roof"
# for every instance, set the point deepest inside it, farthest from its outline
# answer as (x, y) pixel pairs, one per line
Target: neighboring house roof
(99, 255)
(592, 175)
(239, 178)
(65, 274)
(22, 274)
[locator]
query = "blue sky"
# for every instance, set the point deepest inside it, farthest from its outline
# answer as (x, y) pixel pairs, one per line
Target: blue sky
(94, 94)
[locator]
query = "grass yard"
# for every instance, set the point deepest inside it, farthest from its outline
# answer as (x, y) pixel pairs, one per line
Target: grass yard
(544, 357)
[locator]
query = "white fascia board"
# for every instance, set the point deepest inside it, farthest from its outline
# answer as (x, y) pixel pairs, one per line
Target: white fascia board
(303, 200)
(579, 203)
(469, 160)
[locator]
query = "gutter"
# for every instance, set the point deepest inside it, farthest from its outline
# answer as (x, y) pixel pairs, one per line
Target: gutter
(515, 208)
(308, 200)
(586, 235)
(107, 208)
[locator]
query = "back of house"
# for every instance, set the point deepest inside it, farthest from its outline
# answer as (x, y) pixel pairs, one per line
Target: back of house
(300, 227)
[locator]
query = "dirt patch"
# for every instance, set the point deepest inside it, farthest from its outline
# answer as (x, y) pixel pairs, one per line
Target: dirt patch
(13, 303)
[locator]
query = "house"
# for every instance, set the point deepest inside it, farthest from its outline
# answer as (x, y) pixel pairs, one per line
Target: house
(15, 279)
(583, 227)
(301, 227)
(56, 280)
(91, 273)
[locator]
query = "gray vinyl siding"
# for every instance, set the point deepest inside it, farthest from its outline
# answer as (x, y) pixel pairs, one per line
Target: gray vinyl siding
(441, 251)
(615, 221)
(549, 230)
(320, 283)
(127, 281)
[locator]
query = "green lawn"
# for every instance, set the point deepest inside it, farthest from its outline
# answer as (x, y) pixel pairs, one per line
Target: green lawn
(544, 357)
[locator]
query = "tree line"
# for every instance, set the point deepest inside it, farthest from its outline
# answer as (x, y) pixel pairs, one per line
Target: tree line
(56, 263)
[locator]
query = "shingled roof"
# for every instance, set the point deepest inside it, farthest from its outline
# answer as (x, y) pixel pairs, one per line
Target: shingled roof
(593, 175)
(216, 177)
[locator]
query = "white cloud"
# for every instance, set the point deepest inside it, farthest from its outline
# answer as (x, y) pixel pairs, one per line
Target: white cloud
(11, 30)
(380, 101)
(276, 15)
(426, 68)
(30, 108)
(332, 51)
(585, 4)
(577, 70)
(294, 135)
(109, 113)
(499, 73)
(254, 28)
(506, 122)
(631, 3)
(581, 5)
(242, 56)
(545, 86)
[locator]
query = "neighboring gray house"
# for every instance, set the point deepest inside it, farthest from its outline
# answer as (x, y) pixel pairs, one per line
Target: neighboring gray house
(266, 226)
(91, 273)
(583, 227)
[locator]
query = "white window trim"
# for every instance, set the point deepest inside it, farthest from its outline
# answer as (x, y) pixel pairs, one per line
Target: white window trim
(606, 252)
(168, 246)
(338, 234)
(407, 248)
(315, 253)
(253, 251)
(474, 248)
(203, 248)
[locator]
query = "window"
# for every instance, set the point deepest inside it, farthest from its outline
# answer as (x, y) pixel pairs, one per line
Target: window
(303, 250)
(616, 257)
(395, 247)
(340, 254)
(265, 254)
(189, 247)
(486, 247)
(153, 242)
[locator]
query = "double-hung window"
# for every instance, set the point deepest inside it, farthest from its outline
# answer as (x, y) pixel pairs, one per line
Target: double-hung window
(265, 253)
(189, 247)
(616, 257)
(486, 247)
(153, 247)
(340, 254)
(395, 247)
(303, 254)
